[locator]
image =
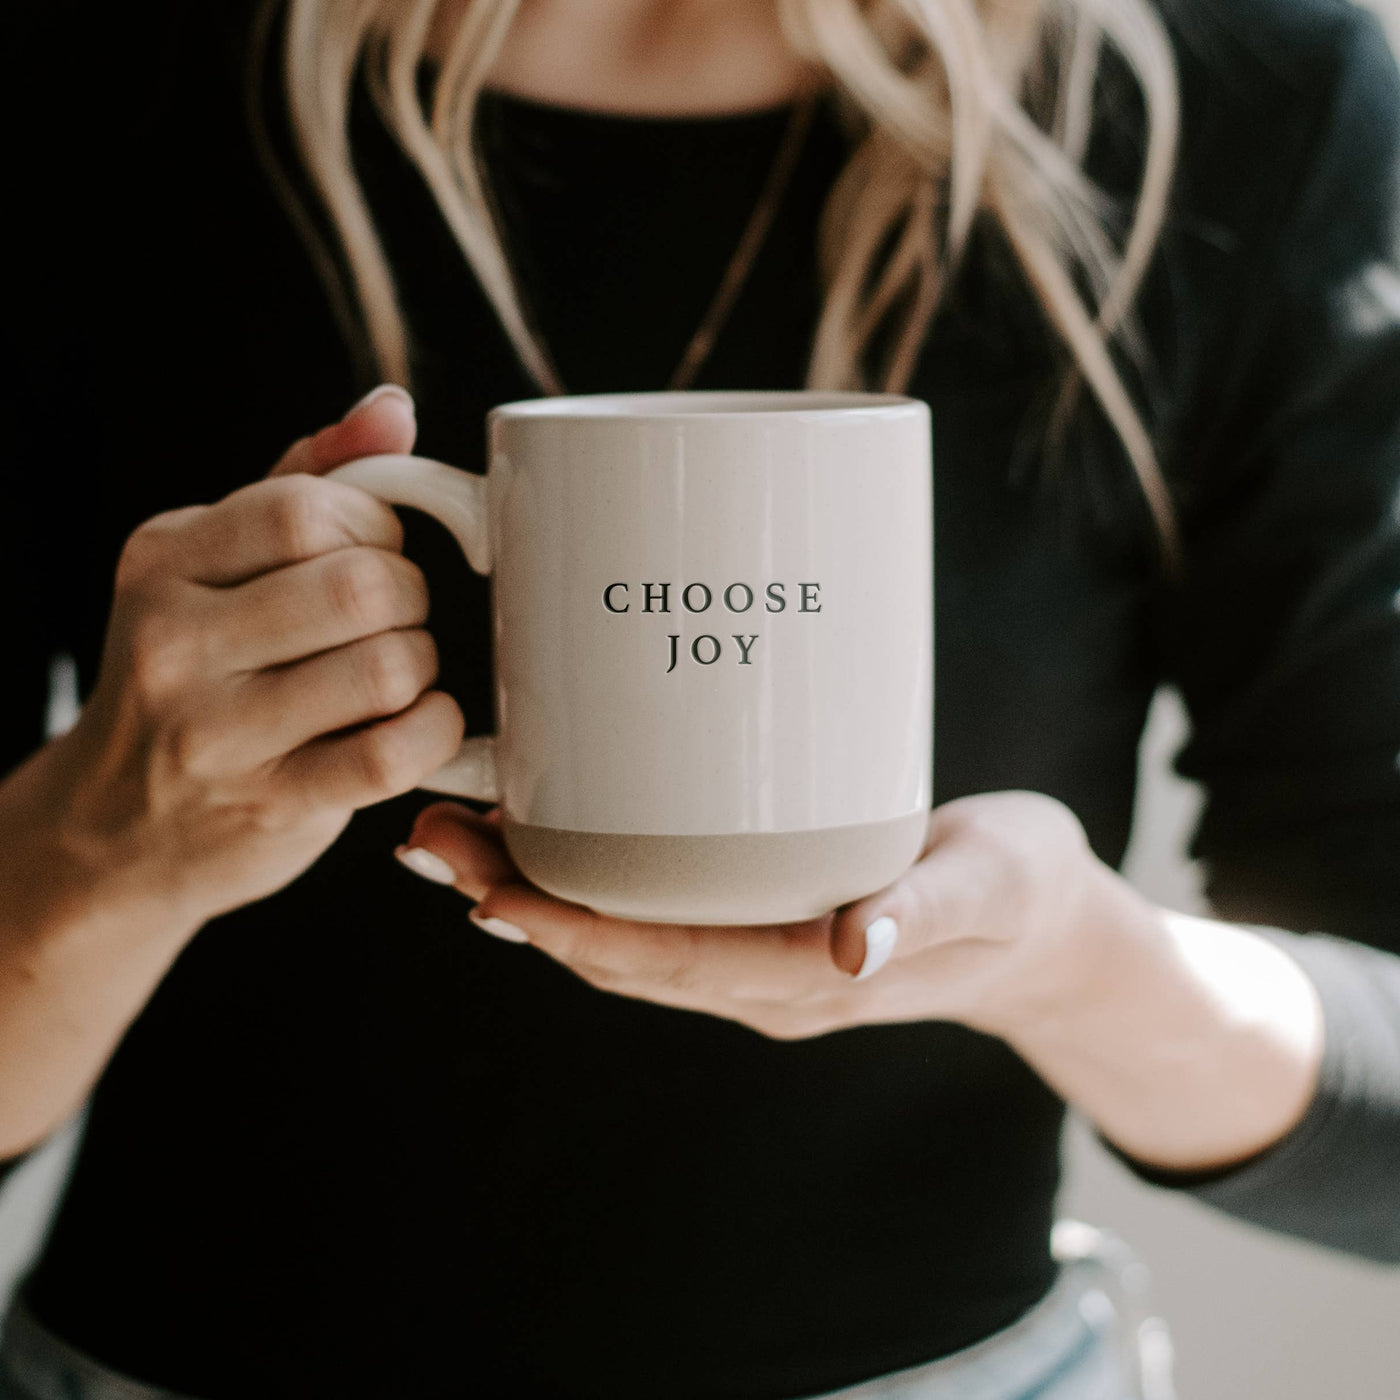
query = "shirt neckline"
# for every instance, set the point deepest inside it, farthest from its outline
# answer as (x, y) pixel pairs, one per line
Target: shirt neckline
(542, 109)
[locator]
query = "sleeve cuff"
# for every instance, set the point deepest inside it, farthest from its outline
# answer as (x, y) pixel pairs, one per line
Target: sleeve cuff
(1334, 1178)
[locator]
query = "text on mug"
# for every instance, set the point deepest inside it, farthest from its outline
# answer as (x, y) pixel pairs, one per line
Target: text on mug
(707, 648)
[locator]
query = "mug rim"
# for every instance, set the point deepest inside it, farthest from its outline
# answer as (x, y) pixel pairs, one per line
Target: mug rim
(709, 404)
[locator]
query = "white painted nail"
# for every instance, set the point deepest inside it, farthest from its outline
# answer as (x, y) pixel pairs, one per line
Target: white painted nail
(880, 937)
(499, 927)
(379, 392)
(425, 863)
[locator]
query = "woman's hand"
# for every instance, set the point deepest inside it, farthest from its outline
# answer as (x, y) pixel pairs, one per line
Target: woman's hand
(1191, 1043)
(999, 919)
(265, 673)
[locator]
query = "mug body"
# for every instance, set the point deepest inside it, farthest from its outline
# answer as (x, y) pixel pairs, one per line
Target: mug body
(713, 625)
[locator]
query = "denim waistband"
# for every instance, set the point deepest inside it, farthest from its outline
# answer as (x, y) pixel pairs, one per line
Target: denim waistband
(1089, 1338)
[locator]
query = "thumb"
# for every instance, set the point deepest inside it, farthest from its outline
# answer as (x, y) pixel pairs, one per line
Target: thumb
(382, 421)
(467, 843)
(919, 908)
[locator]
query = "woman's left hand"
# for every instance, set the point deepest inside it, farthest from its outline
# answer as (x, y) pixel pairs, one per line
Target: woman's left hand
(1006, 916)
(1189, 1042)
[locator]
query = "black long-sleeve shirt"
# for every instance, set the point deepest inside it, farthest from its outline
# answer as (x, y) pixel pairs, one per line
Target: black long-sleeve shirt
(354, 1147)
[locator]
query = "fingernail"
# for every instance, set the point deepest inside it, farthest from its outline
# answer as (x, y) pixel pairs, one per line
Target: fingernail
(499, 927)
(880, 937)
(380, 392)
(425, 863)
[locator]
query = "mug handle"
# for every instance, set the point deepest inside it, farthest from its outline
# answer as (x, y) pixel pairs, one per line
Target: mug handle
(457, 499)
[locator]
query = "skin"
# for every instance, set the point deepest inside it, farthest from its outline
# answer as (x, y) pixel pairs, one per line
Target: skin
(643, 56)
(266, 674)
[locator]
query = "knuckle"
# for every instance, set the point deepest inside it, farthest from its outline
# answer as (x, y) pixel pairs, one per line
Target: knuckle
(442, 726)
(186, 743)
(678, 972)
(135, 558)
(388, 762)
(274, 818)
(367, 517)
(145, 549)
(1016, 878)
(364, 591)
(300, 517)
(985, 822)
(1066, 826)
(674, 979)
(159, 653)
(567, 946)
(580, 946)
(391, 673)
(425, 655)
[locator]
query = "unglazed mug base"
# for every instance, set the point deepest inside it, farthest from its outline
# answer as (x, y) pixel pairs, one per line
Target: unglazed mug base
(752, 877)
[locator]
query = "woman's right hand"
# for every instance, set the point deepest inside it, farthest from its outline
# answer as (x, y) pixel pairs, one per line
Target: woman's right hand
(265, 673)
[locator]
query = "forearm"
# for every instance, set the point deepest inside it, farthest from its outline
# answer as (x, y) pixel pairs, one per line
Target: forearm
(81, 951)
(1195, 1043)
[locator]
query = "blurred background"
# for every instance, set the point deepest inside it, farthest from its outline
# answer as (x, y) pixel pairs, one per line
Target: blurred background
(1253, 1316)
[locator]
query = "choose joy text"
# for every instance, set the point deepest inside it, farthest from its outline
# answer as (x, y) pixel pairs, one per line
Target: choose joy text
(707, 648)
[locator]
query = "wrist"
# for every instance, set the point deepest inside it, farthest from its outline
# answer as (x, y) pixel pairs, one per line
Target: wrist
(1110, 937)
(60, 874)
(1121, 954)
(1191, 1043)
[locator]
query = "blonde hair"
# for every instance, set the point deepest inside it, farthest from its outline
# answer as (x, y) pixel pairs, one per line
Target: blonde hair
(939, 96)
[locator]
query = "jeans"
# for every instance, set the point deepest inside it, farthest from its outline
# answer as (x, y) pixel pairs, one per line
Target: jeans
(1090, 1338)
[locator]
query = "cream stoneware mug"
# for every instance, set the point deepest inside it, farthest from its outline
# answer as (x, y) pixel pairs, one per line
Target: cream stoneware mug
(712, 616)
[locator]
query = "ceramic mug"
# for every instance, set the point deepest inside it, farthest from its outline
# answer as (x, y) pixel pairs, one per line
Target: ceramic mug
(712, 617)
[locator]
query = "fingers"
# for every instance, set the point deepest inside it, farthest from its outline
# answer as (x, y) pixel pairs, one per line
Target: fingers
(380, 760)
(291, 517)
(943, 897)
(382, 421)
(469, 841)
(277, 710)
(759, 963)
(859, 954)
(318, 604)
(781, 963)
(790, 965)
(992, 876)
(266, 526)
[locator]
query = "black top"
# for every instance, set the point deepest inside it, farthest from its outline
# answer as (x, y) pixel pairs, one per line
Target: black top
(355, 1147)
